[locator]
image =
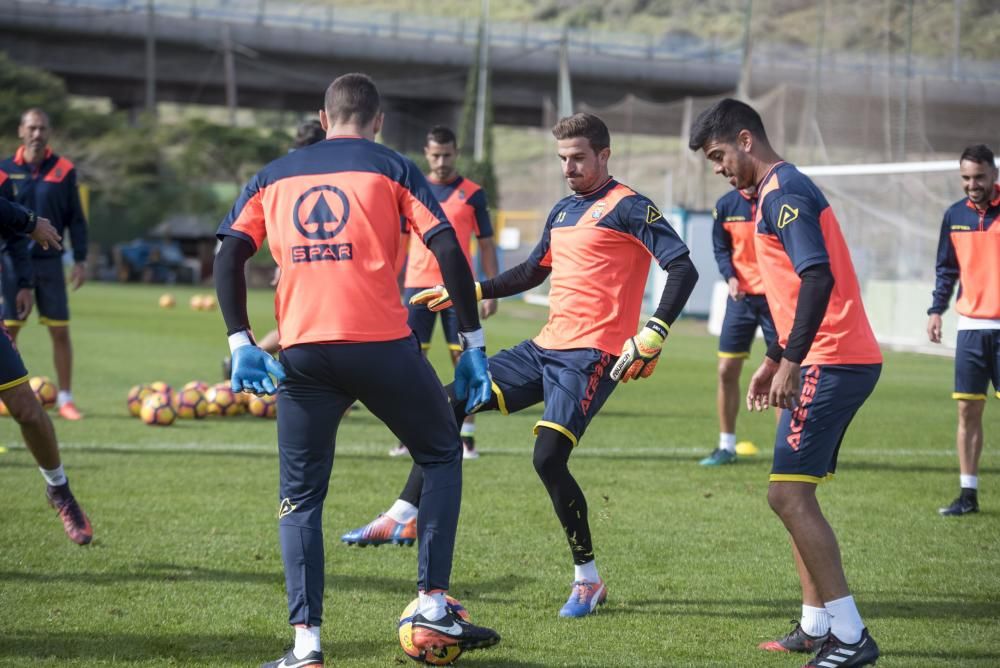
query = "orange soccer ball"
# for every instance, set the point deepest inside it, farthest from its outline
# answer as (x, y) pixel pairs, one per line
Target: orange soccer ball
(45, 391)
(135, 397)
(190, 404)
(265, 405)
(222, 401)
(156, 410)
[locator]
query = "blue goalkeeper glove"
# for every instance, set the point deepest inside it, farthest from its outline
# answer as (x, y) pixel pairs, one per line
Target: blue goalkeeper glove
(472, 373)
(438, 299)
(253, 368)
(641, 353)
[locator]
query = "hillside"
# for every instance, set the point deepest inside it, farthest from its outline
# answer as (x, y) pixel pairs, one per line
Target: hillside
(846, 26)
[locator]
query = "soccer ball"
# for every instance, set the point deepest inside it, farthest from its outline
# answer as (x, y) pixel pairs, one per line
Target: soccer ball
(196, 303)
(438, 657)
(265, 406)
(167, 301)
(190, 404)
(222, 401)
(207, 303)
(199, 385)
(45, 391)
(136, 396)
(156, 410)
(162, 388)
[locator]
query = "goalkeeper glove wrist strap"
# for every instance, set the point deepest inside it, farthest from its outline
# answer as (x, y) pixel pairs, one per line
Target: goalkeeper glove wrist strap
(658, 326)
(244, 337)
(473, 339)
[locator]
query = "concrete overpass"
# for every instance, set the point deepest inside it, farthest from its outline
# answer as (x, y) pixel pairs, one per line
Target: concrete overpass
(284, 60)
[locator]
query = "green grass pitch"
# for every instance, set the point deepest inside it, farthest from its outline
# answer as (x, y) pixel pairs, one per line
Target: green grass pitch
(185, 568)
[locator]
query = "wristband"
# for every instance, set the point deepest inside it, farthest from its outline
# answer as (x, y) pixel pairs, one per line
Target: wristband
(244, 337)
(474, 339)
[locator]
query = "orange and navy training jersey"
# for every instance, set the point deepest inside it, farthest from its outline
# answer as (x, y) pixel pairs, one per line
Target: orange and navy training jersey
(969, 254)
(598, 246)
(50, 191)
(797, 229)
(331, 213)
(464, 202)
(732, 241)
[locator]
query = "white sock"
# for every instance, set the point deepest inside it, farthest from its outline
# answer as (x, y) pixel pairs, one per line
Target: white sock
(306, 641)
(586, 572)
(815, 621)
(845, 620)
(54, 477)
(432, 606)
(468, 428)
(64, 397)
(402, 511)
(969, 481)
(727, 442)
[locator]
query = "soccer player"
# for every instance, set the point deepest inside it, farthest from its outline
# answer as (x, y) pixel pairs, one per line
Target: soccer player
(969, 253)
(821, 369)
(16, 393)
(46, 184)
(464, 202)
(595, 248)
(331, 215)
(746, 309)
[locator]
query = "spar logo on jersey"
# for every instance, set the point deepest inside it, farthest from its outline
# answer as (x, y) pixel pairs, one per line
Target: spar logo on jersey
(321, 212)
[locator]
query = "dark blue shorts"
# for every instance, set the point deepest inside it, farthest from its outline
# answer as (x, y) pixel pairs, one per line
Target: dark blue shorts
(977, 363)
(421, 321)
(808, 438)
(51, 300)
(12, 371)
(574, 384)
(740, 325)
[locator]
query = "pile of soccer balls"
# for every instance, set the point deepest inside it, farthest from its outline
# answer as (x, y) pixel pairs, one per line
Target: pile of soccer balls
(434, 657)
(159, 404)
(45, 391)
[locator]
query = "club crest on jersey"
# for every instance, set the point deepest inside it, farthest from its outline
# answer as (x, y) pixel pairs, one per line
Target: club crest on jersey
(786, 216)
(461, 193)
(599, 209)
(286, 507)
(321, 212)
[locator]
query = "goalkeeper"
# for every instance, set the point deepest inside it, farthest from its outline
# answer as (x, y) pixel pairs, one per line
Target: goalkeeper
(595, 249)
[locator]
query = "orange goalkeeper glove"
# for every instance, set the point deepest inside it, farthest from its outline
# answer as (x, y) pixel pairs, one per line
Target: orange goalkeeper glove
(438, 299)
(641, 353)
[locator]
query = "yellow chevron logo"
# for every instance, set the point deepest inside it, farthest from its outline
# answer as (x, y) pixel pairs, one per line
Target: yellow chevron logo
(286, 508)
(652, 214)
(787, 215)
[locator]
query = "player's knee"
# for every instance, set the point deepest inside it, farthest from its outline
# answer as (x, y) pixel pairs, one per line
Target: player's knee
(970, 412)
(729, 369)
(60, 335)
(779, 499)
(551, 454)
(24, 407)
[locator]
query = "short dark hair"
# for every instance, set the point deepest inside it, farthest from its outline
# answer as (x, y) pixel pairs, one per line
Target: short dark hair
(584, 125)
(309, 132)
(440, 134)
(352, 98)
(980, 153)
(724, 121)
(36, 111)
